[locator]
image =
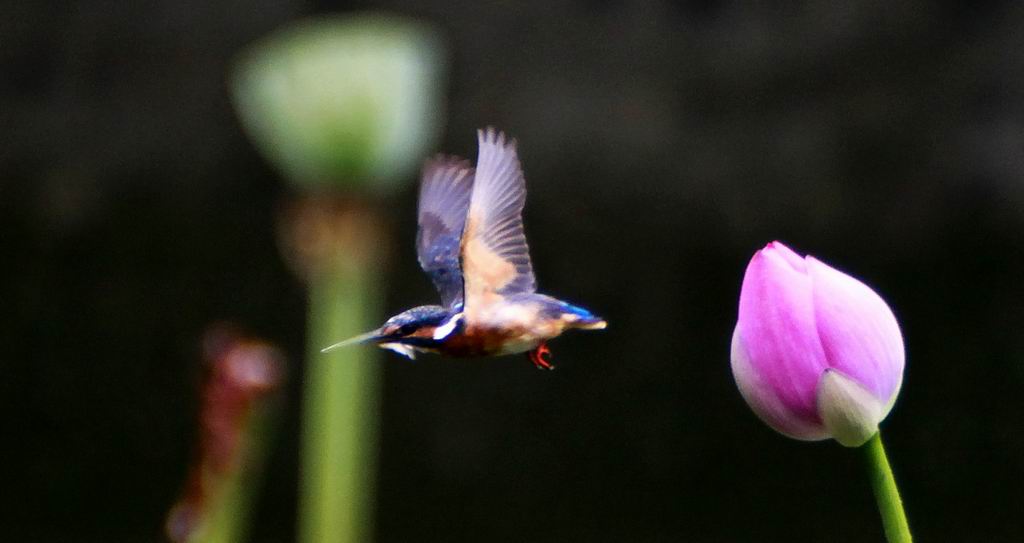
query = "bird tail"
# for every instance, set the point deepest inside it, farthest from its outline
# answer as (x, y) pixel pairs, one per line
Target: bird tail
(585, 320)
(592, 323)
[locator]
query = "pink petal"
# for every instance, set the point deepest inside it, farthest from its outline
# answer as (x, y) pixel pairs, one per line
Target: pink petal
(763, 400)
(778, 335)
(858, 331)
(793, 259)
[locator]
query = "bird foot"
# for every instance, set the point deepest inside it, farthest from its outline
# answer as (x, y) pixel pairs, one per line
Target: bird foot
(541, 357)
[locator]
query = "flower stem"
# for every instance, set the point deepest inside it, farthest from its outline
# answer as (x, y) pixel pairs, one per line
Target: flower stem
(231, 511)
(340, 409)
(894, 520)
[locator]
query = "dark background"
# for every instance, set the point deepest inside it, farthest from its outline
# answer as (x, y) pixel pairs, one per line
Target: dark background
(663, 142)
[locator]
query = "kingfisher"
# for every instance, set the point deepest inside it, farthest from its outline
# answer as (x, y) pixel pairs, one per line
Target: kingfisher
(471, 244)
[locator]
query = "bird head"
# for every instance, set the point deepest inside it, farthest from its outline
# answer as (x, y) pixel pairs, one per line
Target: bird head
(416, 327)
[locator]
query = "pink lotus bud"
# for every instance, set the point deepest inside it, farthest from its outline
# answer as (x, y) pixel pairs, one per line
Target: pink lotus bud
(816, 353)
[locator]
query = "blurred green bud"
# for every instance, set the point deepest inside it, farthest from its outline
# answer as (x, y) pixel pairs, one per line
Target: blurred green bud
(350, 102)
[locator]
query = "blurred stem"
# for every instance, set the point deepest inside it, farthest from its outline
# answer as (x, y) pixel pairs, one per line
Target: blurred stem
(341, 391)
(229, 517)
(894, 520)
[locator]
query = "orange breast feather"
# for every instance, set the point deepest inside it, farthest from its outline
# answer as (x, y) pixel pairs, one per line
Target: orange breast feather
(476, 341)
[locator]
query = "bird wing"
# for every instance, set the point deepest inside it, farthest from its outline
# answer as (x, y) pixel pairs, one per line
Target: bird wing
(495, 257)
(444, 199)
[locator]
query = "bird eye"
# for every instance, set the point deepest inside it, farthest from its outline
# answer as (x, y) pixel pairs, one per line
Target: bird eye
(407, 329)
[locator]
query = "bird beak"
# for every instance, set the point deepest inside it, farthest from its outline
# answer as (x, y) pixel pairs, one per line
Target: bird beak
(361, 338)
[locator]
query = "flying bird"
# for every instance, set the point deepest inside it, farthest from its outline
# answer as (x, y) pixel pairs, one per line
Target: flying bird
(471, 244)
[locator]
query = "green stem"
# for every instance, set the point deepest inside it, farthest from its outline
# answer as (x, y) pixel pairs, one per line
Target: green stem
(340, 409)
(894, 520)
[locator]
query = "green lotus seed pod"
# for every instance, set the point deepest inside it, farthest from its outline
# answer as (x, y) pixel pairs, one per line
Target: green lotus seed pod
(346, 102)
